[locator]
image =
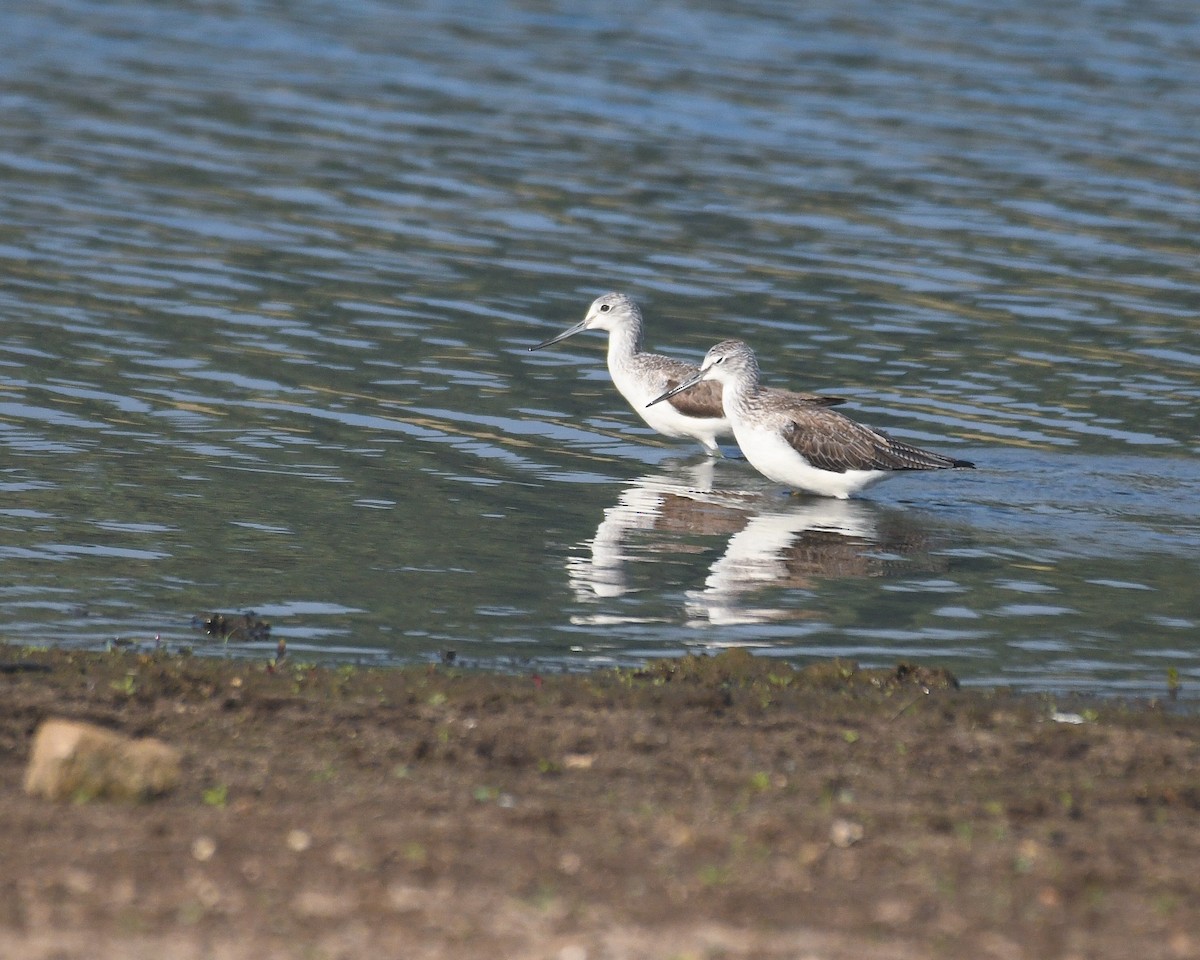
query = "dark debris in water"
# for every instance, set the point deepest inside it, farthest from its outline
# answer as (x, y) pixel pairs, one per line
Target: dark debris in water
(239, 627)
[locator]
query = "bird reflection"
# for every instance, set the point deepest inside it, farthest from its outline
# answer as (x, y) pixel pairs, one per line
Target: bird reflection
(771, 545)
(654, 503)
(789, 547)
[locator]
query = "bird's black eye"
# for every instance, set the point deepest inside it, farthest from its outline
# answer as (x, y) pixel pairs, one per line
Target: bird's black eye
(605, 307)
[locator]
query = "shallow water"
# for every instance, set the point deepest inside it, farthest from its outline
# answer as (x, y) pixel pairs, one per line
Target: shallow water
(271, 272)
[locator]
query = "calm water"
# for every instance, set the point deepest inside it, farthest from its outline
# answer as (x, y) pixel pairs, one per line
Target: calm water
(270, 271)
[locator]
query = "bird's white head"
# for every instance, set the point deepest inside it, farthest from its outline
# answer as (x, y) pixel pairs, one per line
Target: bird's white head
(728, 361)
(612, 311)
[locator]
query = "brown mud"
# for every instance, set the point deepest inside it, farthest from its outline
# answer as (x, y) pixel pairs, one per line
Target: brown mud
(725, 807)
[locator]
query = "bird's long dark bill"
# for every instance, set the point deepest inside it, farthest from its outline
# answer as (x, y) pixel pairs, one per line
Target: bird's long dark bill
(578, 328)
(690, 382)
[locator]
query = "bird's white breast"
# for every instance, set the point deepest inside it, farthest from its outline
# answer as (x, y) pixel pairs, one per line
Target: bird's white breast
(639, 386)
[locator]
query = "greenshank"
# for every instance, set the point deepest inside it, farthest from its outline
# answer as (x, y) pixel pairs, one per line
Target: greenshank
(694, 410)
(802, 444)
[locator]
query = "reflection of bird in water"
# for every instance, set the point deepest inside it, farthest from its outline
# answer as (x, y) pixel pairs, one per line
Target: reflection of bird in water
(793, 548)
(653, 503)
(787, 547)
(640, 377)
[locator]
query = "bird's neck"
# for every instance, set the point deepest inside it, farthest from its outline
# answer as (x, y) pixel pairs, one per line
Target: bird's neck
(740, 391)
(624, 342)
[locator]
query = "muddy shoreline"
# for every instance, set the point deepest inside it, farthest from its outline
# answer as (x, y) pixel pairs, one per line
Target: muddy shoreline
(707, 807)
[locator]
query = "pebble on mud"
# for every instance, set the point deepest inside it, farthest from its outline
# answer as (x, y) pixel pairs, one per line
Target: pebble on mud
(71, 760)
(845, 833)
(203, 848)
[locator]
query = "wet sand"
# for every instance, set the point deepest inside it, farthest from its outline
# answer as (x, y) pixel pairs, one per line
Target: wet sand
(725, 807)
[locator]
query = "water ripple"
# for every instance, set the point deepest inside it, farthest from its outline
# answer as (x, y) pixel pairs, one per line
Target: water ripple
(271, 272)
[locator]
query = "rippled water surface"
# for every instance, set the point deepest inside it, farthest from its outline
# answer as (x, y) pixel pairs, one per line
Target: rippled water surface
(270, 272)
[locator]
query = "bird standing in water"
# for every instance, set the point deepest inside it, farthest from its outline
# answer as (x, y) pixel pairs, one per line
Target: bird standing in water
(802, 444)
(694, 410)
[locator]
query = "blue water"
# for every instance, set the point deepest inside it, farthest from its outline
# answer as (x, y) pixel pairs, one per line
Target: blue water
(270, 273)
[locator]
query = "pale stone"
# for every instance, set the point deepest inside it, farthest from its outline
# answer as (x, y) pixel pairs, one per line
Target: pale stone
(845, 833)
(203, 848)
(74, 760)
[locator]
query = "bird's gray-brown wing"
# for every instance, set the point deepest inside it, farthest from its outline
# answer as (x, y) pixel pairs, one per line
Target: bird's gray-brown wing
(830, 441)
(701, 400)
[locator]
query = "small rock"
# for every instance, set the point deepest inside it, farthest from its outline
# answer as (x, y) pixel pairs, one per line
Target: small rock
(1050, 898)
(299, 840)
(845, 833)
(79, 882)
(203, 848)
(894, 911)
(80, 761)
(348, 856)
(205, 890)
(570, 863)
